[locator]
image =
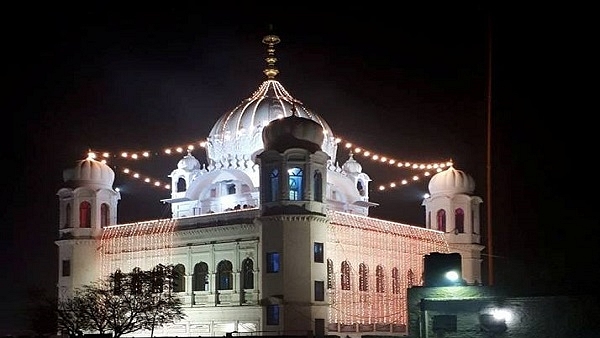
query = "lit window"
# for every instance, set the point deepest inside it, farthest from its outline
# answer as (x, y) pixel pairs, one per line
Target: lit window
(272, 262)
(318, 252)
(224, 275)
(295, 184)
(273, 314)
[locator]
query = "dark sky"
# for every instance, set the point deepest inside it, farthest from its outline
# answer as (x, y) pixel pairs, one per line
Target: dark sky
(408, 81)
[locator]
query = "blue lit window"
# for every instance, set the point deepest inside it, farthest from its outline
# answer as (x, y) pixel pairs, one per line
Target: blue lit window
(272, 262)
(295, 183)
(224, 275)
(273, 315)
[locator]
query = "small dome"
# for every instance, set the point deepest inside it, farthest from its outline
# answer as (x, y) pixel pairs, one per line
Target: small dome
(293, 132)
(188, 163)
(352, 166)
(451, 181)
(91, 173)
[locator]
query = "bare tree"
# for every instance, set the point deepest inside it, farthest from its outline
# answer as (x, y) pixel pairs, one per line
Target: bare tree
(123, 303)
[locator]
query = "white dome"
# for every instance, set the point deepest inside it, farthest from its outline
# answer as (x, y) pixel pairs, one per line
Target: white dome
(188, 163)
(352, 166)
(451, 181)
(91, 173)
(238, 134)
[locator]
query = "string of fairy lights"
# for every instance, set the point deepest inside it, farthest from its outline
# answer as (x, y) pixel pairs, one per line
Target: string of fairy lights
(423, 169)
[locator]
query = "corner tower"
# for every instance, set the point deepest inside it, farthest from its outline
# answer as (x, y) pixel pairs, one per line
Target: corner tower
(453, 209)
(87, 204)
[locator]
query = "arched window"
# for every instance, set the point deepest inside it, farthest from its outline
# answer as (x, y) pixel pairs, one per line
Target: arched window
(441, 220)
(104, 215)
(117, 282)
(330, 280)
(295, 183)
(85, 215)
(179, 278)
(136, 281)
(247, 274)
(345, 275)
(428, 220)
(200, 277)
(363, 277)
(181, 184)
(318, 182)
(379, 284)
(274, 186)
(224, 275)
(395, 281)
(68, 215)
(360, 187)
(158, 279)
(410, 277)
(459, 218)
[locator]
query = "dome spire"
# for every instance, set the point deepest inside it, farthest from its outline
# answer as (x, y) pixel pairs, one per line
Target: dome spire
(271, 40)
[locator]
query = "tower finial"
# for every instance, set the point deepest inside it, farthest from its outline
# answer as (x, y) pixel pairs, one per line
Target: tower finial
(271, 40)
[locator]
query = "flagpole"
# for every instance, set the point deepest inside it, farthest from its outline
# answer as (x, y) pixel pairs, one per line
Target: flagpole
(490, 251)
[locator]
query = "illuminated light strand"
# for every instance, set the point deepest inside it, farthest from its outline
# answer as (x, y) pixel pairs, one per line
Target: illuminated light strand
(146, 179)
(391, 161)
(146, 154)
(135, 155)
(402, 247)
(427, 168)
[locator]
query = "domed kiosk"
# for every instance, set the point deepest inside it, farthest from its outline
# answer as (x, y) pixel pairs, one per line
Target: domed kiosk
(453, 209)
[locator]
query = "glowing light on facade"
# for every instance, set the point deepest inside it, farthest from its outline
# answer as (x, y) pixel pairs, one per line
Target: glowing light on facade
(143, 245)
(391, 255)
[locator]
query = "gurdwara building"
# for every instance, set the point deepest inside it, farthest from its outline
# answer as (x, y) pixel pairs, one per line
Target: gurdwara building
(272, 234)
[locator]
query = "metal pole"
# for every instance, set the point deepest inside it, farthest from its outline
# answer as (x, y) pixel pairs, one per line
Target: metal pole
(490, 250)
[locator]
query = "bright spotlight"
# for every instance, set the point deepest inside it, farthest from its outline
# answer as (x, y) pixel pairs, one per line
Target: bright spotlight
(452, 276)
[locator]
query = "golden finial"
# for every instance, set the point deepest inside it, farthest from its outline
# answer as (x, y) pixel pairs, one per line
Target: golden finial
(271, 41)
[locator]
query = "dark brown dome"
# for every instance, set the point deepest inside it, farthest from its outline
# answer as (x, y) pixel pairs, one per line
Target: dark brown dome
(293, 132)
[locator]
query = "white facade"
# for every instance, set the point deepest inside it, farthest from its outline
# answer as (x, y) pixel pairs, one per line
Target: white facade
(271, 235)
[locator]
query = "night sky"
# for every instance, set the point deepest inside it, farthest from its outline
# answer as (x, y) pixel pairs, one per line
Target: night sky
(408, 81)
